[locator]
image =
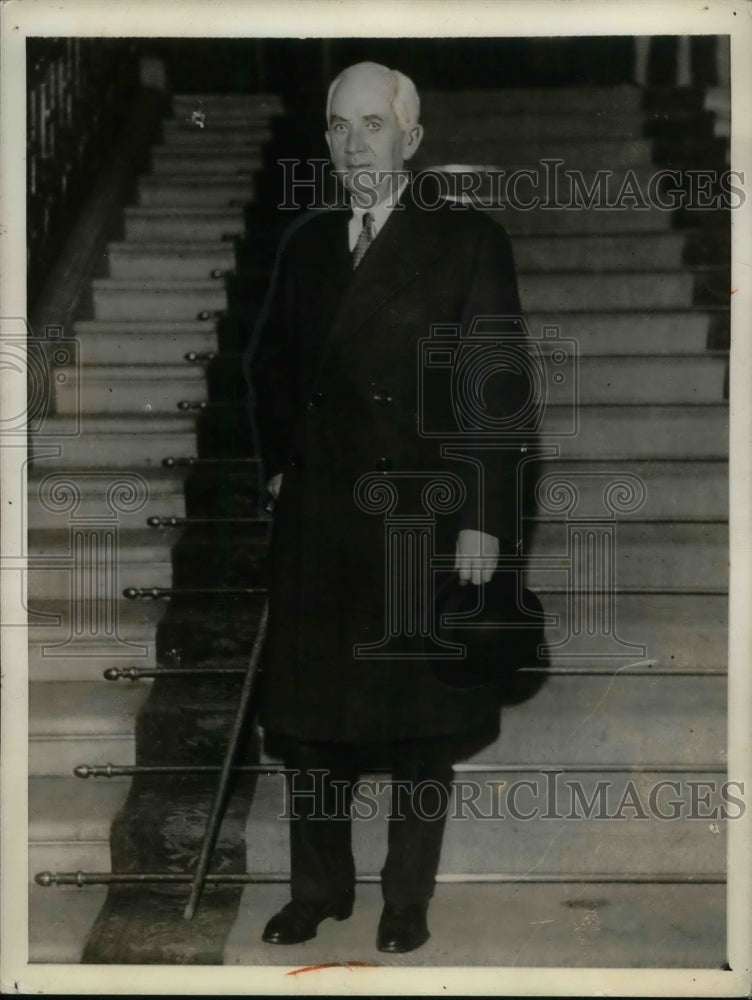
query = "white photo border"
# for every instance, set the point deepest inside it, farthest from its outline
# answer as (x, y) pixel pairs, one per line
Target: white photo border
(351, 18)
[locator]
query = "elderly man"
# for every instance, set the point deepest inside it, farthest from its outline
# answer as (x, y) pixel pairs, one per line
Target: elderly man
(335, 377)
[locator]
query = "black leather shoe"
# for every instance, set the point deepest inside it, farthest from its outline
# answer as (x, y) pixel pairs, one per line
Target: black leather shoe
(402, 928)
(298, 920)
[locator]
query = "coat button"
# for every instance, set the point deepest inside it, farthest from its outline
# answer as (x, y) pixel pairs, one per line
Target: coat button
(383, 397)
(383, 465)
(314, 401)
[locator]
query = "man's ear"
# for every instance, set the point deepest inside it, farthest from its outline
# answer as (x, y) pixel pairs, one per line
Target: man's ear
(411, 140)
(327, 136)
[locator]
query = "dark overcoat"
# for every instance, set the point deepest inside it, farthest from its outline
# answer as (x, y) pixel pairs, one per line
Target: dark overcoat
(337, 376)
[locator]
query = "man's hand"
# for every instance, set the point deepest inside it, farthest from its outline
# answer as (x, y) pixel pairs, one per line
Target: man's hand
(476, 556)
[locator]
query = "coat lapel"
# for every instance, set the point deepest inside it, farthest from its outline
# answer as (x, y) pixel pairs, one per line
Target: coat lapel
(409, 242)
(327, 277)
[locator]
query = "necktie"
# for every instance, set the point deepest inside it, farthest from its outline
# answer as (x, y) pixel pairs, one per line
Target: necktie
(365, 239)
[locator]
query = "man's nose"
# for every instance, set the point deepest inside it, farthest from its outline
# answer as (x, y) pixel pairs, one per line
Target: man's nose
(355, 140)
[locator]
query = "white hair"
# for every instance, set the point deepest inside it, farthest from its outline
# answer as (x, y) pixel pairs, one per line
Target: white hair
(403, 98)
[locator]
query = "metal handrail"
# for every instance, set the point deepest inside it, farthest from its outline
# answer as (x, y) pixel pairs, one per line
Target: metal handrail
(75, 105)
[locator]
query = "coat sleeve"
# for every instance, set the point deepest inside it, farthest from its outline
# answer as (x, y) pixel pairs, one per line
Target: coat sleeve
(269, 364)
(493, 504)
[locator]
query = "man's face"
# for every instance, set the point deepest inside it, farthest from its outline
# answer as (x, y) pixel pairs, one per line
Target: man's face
(365, 140)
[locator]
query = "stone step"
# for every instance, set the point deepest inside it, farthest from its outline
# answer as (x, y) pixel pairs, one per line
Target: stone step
(634, 332)
(75, 644)
(653, 556)
(637, 432)
(580, 155)
(211, 225)
(579, 221)
(266, 104)
(642, 432)
(598, 721)
(588, 153)
(591, 379)
(551, 926)
(631, 380)
(140, 388)
(174, 261)
(157, 299)
(237, 127)
(59, 925)
(640, 333)
(679, 632)
(213, 116)
(670, 491)
(661, 290)
(69, 822)
(593, 720)
(553, 186)
(163, 342)
(477, 101)
(73, 723)
(117, 440)
(136, 497)
(597, 254)
(161, 299)
(577, 124)
(142, 558)
(179, 132)
(196, 224)
(487, 837)
(660, 251)
(219, 191)
(200, 144)
(613, 718)
(223, 118)
(195, 163)
(532, 100)
(216, 116)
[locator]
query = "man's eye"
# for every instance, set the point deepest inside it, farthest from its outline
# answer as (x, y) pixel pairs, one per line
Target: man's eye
(374, 126)
(339, 127)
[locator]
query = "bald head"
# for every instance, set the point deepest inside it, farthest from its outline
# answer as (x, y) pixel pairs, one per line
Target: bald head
(399, 88)
(372, 117)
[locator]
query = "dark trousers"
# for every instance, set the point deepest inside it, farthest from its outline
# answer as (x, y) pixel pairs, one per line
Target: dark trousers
(320, 779)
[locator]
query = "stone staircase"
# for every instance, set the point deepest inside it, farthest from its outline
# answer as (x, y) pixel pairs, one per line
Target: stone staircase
(122, 408)
(644, 293)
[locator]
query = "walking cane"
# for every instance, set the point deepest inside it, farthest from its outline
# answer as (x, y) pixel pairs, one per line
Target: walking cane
(220, 796)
